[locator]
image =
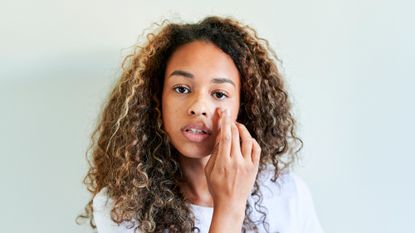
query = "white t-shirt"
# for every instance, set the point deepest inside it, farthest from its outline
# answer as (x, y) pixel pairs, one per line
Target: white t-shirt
(288, 202)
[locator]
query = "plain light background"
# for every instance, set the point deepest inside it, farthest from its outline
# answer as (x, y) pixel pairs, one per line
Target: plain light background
(349, 67)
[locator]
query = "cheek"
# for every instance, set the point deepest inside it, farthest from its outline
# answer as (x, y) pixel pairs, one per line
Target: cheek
(170, 114)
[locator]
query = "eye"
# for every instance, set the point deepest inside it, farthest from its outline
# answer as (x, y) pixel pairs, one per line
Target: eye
(181, 89)
(220, 95)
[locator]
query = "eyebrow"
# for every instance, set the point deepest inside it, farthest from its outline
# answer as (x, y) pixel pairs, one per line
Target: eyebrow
(191, 76)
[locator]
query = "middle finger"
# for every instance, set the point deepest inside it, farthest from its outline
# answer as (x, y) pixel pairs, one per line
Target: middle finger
(225, 135)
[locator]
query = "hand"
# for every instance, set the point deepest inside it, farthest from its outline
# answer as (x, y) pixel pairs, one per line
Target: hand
(233, 166)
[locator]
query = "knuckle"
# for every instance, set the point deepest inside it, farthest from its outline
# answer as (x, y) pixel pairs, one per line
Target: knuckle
(257, 146)
(242, 166)
(244, 128)
(226, 138)
(234, 165)
(238, 163)
(242, 125)
(234, 128)
(249, 140)
(245, 131)
(258, 150)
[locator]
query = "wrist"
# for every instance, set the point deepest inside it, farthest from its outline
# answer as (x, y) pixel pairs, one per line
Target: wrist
(235, 211)
(230, 207)
(227, 213)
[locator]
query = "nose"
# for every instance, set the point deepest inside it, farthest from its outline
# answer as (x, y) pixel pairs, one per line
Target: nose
(198, 107)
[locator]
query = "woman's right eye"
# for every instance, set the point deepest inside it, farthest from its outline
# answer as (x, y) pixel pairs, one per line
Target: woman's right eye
(181, 89)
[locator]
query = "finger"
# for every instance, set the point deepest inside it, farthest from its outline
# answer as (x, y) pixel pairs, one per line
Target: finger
(225, 136)
(209, 165)
(246, 138)
(212, 159)
(218, 123)
(218, 136)
(236, 144)
(220, 113)
(215, 149)
(256, 152)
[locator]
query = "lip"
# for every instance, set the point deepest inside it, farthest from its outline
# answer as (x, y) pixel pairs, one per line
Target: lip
(193, 137)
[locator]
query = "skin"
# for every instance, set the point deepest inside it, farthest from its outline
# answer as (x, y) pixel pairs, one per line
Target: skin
(202, 84)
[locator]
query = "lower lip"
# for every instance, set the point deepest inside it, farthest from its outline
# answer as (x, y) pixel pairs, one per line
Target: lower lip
(195, 137)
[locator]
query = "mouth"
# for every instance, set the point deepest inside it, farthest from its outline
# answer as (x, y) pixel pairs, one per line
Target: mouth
(196, 132)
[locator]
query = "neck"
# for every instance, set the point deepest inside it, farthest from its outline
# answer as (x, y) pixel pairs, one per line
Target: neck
(195, 187)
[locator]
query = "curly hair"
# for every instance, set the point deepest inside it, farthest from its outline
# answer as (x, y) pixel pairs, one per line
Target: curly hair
(131, 153)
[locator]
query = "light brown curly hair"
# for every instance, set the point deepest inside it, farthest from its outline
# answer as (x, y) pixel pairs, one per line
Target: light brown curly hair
(131, 153)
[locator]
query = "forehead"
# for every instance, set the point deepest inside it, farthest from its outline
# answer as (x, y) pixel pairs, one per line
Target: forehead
(204, 60)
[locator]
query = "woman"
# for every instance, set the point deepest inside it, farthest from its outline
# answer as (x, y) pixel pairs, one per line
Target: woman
(197, 136)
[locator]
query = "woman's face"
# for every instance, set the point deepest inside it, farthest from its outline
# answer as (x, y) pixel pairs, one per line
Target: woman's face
(199, 80)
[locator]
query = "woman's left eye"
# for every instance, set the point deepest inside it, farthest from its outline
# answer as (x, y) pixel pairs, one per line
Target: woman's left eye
(220, 95)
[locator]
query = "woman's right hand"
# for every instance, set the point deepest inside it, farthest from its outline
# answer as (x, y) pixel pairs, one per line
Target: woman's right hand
(233, 166)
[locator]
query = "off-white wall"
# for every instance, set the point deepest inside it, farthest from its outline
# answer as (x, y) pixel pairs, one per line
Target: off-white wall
(349, 66)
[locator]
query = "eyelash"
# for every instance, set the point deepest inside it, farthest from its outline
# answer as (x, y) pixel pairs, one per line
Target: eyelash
(175, 88)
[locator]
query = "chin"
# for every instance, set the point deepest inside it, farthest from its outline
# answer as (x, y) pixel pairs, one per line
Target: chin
(193, 151)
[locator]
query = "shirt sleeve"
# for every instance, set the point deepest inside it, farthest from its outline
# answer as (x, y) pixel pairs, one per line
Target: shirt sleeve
(102, 206)
(308, 217)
